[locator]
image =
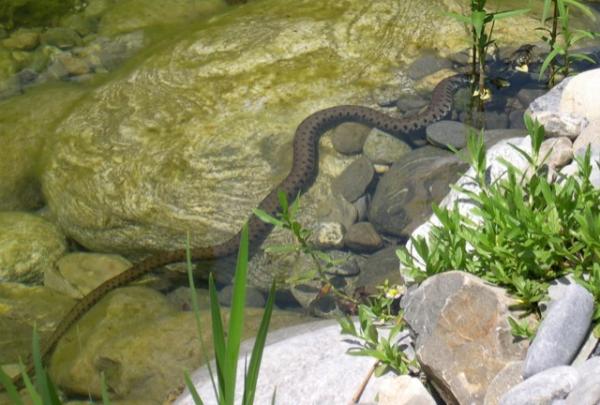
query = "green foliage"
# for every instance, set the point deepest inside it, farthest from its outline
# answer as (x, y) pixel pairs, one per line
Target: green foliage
(480, 24)
(532, 230)
(562, 40)
(227, 346)
(521, 329)
(28, 13)
(389, 355)
(286, 219)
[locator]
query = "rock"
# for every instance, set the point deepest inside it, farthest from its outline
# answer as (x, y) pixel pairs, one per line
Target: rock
(181, 298)
(590, 135)
(404, 390)
(289, 365)
(411, 103)
(362, 237)
(546, 110)
(354, 180)
(562, 331)
(329, 235)
(23, 133)
(463, 336)
(22, 39)
(112, 53)
(383, 148)
(73, 66)
(543, 388)
(254, 298)
(362, 206)
(338, 210)
(426, 65)
(61, 37)
(29, 246)
(404, 195)
(587, 391)
(81, 24)
(76, 274)
(451, 133)
(20, 308)
(515, 119)
(140, 342)
(348, 138)
(558, 151)
(507, 378)
(573, 168)
(379, 267)
(209, 62)
(526, 95)
(496, 120)
(581, 94)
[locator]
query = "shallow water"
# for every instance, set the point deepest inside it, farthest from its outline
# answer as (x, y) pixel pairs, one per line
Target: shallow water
(80, 145)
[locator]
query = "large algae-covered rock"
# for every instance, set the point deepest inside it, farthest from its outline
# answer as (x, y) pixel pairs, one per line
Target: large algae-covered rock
(29, 246)
(142, 343)
(193, 137)
(20, 308)
(26, 123)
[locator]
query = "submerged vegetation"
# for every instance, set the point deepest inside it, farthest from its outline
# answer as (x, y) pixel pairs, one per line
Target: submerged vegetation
(31, 13)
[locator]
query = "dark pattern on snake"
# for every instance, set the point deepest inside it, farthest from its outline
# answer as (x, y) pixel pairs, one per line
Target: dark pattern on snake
(303, 172)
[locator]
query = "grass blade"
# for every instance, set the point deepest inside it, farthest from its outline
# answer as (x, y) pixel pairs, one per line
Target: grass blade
(236, 319)
(218, 341)
(104, 390)
(190, 386)
(257, 351)
(10, 388)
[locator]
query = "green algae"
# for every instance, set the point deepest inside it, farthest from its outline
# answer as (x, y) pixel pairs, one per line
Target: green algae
(30, 13)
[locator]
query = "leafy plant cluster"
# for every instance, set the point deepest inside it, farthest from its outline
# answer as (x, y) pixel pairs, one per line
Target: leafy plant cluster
(532, 230)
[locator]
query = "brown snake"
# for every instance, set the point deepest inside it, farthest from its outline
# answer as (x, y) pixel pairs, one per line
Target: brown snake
(301, 176)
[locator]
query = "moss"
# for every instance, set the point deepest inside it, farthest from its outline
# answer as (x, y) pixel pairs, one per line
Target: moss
(27, 13)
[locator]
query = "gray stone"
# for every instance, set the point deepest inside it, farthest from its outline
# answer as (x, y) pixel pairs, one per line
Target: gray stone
(562, 331)
(379, 267)
(453, 133)
(515, 119)
(404, 390)
(362, 206)
(22, 39)
(496, 120)
(426, 65)
(542, 388)
(403, 197)
(339, 210)
(411, 103)
(526, 96)
(590, 135)
(289, 365)
(362, 237)
(254, 298)
(329, 235)
(558, 151)
(348, 138)
(507, 378)
(355, 179)
(61, 37)
(383, 148)
(463, 336)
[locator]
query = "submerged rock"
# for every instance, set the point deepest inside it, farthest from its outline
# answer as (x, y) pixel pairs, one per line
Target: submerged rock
(29, 246)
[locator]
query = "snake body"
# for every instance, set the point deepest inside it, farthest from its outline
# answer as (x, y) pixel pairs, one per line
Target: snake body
(301, 176)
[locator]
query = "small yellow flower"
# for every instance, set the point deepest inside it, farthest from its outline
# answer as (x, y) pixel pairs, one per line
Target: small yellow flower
(395, 292)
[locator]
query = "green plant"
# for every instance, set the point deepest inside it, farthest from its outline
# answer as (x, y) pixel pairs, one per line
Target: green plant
(521, 329)
(286, 219)
(25, 13)
(389, 355)
(530, 230)
(227, 349)
(478, 22)
(42, 391)
(561, 41)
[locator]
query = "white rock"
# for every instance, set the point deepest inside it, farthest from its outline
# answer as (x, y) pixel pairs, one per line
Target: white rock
(581, 96)
(404, 390)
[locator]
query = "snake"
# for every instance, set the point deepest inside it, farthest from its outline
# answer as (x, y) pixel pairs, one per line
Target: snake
(300, 178)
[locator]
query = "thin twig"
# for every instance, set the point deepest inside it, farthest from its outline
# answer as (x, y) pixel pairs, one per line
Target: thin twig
(363, 385)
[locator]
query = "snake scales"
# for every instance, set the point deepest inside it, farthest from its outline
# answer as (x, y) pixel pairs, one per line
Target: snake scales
(301, 176)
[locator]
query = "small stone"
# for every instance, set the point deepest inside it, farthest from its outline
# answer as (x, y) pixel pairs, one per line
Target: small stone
(507, 378)
(426, 65)
(411, 103)
(384, 148)
(73, 66)
(381, 169)
(362, 237)
(329, 235)
(337, 209)
(562, 331)
(379, 267)
(543, 388)
(515, 119)
(60, 37)
(362, 206)
(22, 39)
(453, 133)
(496, 120)
(254, 298)
(526, 96)
(348, 138)
(404, 390)
(355, 179)
(561, 124)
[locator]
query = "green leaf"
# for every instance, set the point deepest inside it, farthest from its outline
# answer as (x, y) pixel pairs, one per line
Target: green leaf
(509, 13)
(549, 58)
(192, 389)
(263, 216)
(459, 17)
(257, 351)
(104, 389)
(10, 388)
(218, 342)
(283, 202)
